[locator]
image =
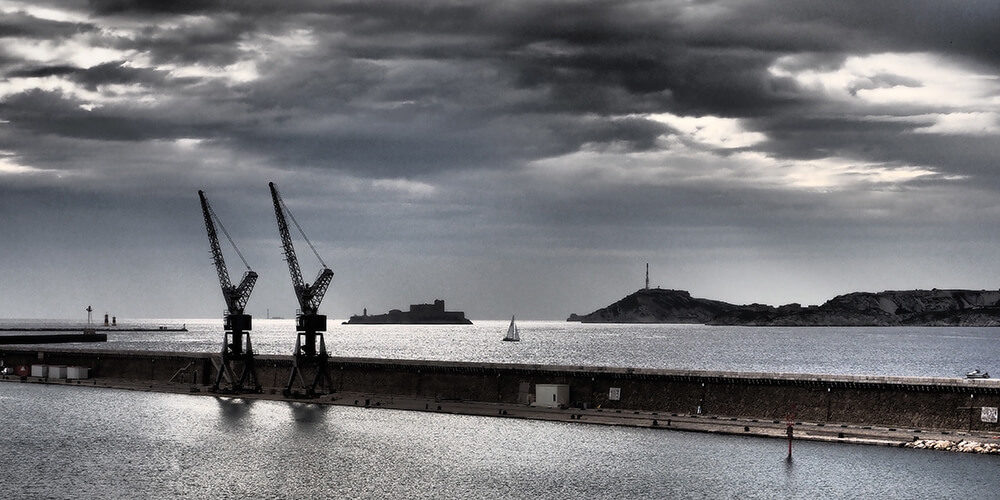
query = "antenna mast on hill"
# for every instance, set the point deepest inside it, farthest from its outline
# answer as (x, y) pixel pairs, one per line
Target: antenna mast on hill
(647, 276)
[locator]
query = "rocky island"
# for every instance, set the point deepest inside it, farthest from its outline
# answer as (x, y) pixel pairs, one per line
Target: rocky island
(419, 314)
(889, 308)
(657, 305)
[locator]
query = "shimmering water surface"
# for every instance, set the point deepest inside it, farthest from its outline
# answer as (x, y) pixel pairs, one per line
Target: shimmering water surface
(75, 442)
(913, 351)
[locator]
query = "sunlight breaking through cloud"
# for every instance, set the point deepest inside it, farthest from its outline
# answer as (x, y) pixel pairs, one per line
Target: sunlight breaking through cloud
(981, 123)
(915, 79)
(10, 166)
(711, 130)
(678, 164)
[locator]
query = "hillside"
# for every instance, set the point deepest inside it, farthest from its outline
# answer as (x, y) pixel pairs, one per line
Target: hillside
(889, 308)
(658, 306)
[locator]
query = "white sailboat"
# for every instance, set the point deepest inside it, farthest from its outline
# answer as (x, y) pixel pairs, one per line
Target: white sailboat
(512, 332)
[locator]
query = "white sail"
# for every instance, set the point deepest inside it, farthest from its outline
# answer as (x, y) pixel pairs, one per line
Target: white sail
(512, 332)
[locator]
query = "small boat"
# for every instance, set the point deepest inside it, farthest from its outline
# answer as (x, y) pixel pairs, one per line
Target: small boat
(977, 374)
(512, 332)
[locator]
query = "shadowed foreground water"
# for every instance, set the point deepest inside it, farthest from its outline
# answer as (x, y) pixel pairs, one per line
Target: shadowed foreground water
(65, 442)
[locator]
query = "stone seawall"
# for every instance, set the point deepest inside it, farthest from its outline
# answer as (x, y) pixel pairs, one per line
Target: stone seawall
(904, 402)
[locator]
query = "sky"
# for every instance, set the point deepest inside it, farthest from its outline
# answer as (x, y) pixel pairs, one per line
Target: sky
(509, 157)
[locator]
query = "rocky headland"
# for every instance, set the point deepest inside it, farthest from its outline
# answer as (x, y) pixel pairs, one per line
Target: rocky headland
(889, 308)
(658, 306)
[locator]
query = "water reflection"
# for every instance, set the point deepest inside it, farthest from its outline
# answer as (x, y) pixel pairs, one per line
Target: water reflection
(233, 411)
(308, 413)
(63, 442)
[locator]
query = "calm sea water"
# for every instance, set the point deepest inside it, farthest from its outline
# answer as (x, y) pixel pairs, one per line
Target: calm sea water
(74, 442)
(940, 352)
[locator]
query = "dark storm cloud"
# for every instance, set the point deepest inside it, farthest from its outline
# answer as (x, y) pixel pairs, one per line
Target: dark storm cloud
(43, 71)
(106, 7)
(540, 63)
(492, 85)
(102, 74)
(53, 113)
(20, 24)
(211, 43)
(118, 73)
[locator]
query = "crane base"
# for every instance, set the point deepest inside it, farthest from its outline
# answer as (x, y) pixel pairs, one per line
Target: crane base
(309, 360)
(237, 353)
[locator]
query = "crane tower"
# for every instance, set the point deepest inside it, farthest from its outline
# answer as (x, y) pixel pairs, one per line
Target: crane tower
(310, 347)
(236, 345)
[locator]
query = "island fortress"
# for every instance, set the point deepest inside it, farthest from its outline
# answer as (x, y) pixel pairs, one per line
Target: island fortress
(419, 314)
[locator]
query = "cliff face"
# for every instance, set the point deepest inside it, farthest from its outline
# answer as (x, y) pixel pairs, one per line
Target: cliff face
(657, 306)
(890, 308)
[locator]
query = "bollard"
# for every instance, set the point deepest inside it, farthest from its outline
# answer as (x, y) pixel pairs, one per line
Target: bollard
(791, 433)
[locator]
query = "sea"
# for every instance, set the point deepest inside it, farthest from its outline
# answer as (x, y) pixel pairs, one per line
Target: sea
(75, 442)
(903, 351)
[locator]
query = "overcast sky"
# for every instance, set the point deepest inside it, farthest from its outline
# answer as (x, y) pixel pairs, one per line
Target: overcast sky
(508, 157)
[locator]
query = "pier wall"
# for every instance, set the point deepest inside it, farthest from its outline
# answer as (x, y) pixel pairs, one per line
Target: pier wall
(904, 402)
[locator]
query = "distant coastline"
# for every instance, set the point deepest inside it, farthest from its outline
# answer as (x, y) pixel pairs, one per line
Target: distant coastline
(888, 308)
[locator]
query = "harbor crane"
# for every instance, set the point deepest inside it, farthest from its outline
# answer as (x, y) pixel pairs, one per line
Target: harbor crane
(236, 345)
(310, 346)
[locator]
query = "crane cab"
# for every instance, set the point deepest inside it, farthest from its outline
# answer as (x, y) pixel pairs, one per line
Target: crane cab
(310, 322)
(238, 322)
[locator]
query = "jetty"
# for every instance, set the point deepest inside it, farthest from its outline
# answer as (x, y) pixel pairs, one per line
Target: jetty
(66, 335)
(96, 329)
(858, 409)
(54, 338)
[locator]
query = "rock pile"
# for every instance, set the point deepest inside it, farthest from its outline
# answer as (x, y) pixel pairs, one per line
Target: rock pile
(962, 446)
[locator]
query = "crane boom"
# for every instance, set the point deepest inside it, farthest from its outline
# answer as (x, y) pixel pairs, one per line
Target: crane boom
(236, 297)
(309, 296)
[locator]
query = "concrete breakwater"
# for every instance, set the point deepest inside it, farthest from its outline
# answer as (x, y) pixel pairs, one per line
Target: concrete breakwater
(908, 405)
(54, 338)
